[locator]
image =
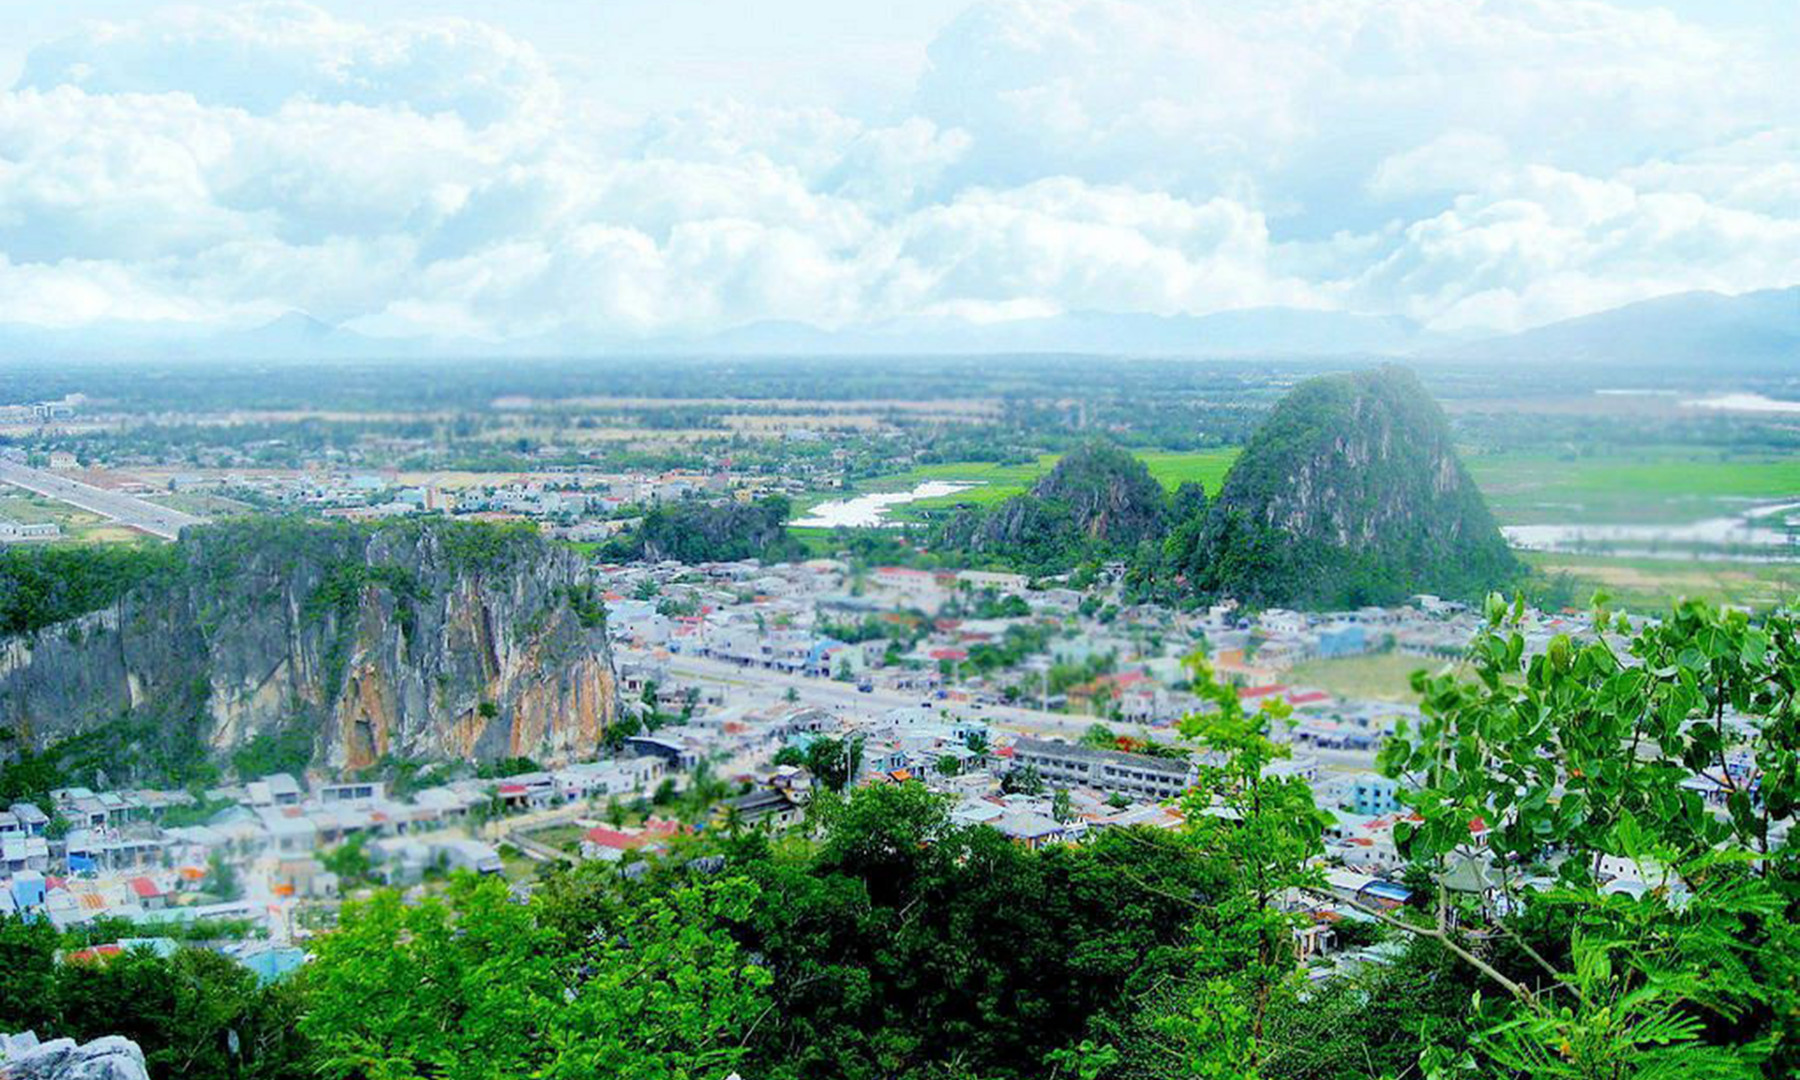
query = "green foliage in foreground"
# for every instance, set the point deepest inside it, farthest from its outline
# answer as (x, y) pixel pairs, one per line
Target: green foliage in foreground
(178, 1010)
(660, 993)
(1577, 758)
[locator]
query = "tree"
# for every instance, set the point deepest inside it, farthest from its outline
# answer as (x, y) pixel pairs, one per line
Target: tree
(1263, 832)
(948, 765)
(834, 762)
(221, 879)
(904, 944)
(1587, 753)
(473, 985)
(1025, 780)
(789, 755)
(1061, 808)
(349, 861)
(181, 1012)
(27, 966)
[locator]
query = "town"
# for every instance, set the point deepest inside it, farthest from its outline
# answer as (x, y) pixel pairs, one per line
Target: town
(1047, 713)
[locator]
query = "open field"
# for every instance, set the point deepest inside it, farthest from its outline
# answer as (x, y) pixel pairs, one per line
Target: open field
(1650, 584)
(1668, 486)
(1172, 468)
(562, 837)
(78, 526)
(1376, 676)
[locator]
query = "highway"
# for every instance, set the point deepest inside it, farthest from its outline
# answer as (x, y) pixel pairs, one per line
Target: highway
(127, 510)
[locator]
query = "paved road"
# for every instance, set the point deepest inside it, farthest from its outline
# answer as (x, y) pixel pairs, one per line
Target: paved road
(128, 510)
(767, 685)
(829, 693)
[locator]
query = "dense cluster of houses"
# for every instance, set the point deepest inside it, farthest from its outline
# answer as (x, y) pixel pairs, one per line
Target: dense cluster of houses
(119, 853)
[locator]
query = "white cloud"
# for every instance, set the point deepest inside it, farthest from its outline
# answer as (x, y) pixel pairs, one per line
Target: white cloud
(1540, 244)
(1488, 165)
(261, 57)
(1454, 161)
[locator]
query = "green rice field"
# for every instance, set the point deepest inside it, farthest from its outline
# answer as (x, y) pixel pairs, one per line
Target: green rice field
(1659, 487)
(1000, 482)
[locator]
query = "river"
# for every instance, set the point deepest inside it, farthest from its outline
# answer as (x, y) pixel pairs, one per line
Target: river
(870, 511)
(1742, 536)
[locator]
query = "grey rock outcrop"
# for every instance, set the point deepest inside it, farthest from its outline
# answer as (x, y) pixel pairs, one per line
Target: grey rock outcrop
(422, 640)
(22, 1057)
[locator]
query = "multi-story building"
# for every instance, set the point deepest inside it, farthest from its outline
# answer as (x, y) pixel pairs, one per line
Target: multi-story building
(1064, 764)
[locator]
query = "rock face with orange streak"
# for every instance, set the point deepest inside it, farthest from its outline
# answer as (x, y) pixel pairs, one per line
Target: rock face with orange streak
(422, 639)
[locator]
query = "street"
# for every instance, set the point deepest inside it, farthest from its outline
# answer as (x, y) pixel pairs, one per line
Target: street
(768, 685)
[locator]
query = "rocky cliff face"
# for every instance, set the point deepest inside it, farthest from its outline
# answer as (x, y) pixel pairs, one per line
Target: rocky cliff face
(1351, 493)
(440, 640)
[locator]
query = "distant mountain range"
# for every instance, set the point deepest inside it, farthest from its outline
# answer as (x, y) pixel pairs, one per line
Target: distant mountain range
(1750, 330)
(1757, 329)
(1271, 331)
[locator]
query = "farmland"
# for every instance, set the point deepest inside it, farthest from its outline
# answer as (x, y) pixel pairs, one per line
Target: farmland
(1655, 487)
(997, 482)
(1651, 584)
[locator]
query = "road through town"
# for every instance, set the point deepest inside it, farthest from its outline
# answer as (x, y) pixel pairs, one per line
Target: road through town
(764, 685)
(128, 510)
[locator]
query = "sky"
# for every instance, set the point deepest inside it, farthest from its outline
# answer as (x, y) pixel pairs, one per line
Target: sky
(576, 170)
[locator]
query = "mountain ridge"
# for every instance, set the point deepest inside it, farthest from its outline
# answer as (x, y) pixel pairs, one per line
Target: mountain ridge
(1754, 328)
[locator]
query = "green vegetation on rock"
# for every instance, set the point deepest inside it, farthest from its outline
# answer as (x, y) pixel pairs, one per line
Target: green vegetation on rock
(1350, 493)
(1098, 502)
(694, 532)
(44, 585)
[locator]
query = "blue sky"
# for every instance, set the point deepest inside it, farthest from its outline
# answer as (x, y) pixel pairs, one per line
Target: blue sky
(589, 169)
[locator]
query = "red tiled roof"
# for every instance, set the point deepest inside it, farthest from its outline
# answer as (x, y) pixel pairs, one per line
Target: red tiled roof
(1124, 678)
(613, 838)
(94, 955)
(1260, 691)
(144, 887)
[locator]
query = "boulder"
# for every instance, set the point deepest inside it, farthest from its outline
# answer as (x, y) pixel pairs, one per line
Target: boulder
(22, 1057)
